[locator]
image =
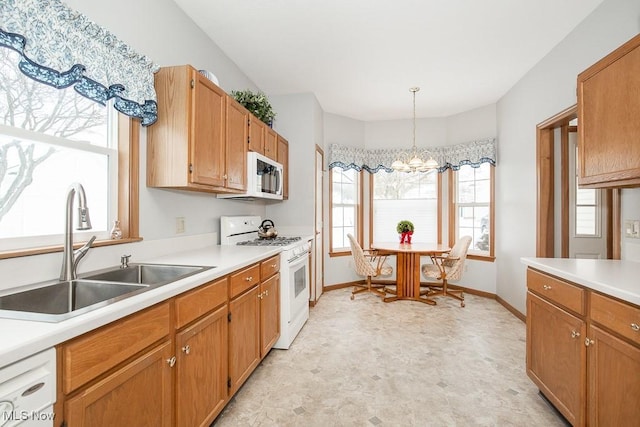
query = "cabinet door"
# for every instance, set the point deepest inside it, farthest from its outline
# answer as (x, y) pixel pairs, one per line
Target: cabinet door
(608, 128)
(614, 380)
(237, 136)
(244, 336)
(269, 313)
(201, 370)
(283, 159)
(138, 394)
(207, 140)
(256, 134)
(270, 143)
(556, 356)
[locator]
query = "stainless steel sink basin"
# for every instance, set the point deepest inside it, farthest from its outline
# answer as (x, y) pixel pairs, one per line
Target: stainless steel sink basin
(57, 301)
(148, 274)
(62, 300)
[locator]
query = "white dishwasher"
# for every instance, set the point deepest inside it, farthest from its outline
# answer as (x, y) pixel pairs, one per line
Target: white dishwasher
(28, 391)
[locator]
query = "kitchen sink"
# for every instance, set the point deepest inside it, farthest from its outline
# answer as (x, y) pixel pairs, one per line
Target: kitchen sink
(147, 274)
(60, 300)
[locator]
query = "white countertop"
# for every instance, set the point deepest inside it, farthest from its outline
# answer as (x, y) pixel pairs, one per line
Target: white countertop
(22, 338)
(617, 278)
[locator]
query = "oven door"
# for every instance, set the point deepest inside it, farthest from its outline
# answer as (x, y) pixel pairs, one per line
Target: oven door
(298, 286)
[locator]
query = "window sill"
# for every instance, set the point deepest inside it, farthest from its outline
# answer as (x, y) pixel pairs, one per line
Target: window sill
(59, 248)
(486, 258)
(339, 254)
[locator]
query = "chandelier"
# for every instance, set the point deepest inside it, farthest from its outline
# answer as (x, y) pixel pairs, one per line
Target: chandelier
(413, 162)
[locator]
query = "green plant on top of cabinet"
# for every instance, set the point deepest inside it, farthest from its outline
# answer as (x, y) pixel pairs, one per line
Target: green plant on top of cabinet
(199, 140)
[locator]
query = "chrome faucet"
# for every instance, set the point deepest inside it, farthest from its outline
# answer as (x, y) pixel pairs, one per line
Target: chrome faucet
(70, 258)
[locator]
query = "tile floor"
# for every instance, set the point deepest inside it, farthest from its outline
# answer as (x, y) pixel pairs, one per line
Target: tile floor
(369, 363)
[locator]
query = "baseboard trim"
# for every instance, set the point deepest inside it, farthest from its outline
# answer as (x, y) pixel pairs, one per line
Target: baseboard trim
(476, 292)
(511, 309)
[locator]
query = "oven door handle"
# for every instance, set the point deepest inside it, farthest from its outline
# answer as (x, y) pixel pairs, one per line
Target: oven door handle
(294, 261)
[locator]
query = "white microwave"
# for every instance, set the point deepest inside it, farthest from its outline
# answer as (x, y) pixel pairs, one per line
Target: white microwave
(264, 179)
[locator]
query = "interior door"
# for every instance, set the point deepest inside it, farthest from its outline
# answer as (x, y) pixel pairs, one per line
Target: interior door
(318, 261)
(587, 214)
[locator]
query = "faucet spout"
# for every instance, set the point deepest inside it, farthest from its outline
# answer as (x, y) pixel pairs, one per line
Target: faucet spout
(69, 261)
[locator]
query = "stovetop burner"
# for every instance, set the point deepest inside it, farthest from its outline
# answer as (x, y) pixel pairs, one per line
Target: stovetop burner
(275, 241)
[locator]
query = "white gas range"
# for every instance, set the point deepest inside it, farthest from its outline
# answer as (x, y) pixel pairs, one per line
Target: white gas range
(294, 270)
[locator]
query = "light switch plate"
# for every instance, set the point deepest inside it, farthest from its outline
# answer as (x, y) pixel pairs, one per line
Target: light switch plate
(632, 228)
(179, 225)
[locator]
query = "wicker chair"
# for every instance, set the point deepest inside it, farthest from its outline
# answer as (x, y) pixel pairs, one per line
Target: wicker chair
(368, 264)
(446, 268)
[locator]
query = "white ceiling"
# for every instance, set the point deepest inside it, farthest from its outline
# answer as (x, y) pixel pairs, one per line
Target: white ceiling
(360, 57)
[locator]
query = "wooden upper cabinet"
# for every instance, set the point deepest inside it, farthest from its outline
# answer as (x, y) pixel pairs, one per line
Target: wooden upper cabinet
(270, 143)
(195, 144)
(237, 136)
(256, 134)
(283, 159)
(608, 126)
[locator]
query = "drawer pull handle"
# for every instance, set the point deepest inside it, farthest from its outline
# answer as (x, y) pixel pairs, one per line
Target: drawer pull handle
(546, 287)
(186, 349)
(248, 279)
(635, 327)
(575, 334)
(274, 265)
(171, 361)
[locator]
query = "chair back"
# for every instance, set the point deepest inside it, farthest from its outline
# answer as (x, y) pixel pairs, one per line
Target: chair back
(458, 254)
(362, 266)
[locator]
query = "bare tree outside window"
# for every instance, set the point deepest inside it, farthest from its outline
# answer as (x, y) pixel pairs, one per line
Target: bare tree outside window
(36, 107)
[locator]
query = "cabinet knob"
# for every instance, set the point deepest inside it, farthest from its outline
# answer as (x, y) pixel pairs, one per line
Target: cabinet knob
(266, 293)
(274, 265)
(186, 349)
(546, 287)
(171, 361)
(260, 295)
(575, 334)
(588, 342)
(225, 176)
(635, 327)
(249, 278)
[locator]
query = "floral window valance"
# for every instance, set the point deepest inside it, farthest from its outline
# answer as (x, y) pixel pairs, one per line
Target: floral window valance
(61, 47)
(448, 157)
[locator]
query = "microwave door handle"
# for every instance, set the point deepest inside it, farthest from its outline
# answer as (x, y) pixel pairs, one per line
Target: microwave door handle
(279, 178)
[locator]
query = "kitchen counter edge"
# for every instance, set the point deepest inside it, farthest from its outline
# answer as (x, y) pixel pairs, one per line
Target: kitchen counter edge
(22, 338)
(616, 278)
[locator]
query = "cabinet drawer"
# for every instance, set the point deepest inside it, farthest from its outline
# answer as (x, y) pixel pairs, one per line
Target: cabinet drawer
(556, 290)
(244, 279)
(269, 267)
(199, 301)
(91, 354)
(621, 318)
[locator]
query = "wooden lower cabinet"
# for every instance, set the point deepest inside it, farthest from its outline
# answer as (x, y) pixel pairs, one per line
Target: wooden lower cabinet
(614, 381)
(269, 313)
(138, 394)
(585, 360)
(556, 356)
(201, 370)
(244, 336)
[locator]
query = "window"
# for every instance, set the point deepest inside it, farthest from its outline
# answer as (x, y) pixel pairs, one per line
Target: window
(50, 138)
(471, 209)
(400, 196)
(587, 219)
(346, 200)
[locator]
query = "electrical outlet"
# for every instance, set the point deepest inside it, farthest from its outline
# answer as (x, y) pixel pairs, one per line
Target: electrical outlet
(179, 225)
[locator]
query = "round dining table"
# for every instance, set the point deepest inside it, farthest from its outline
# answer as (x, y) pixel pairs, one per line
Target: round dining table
(408, 267)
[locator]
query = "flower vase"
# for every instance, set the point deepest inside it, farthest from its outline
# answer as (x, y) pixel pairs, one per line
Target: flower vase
(409, 234)
(405, 237)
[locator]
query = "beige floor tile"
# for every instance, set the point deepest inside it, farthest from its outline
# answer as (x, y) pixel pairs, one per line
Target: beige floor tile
(369, 363)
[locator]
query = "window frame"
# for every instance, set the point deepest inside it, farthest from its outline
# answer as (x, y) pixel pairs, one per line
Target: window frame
(128, 192)
(359, 216)
(438, 213)
(453, 206)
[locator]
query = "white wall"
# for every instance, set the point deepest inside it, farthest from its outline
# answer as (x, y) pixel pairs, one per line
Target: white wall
(547, 89)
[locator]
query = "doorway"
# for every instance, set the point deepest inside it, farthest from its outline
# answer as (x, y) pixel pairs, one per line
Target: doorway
(317, 284)
(560, 201)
